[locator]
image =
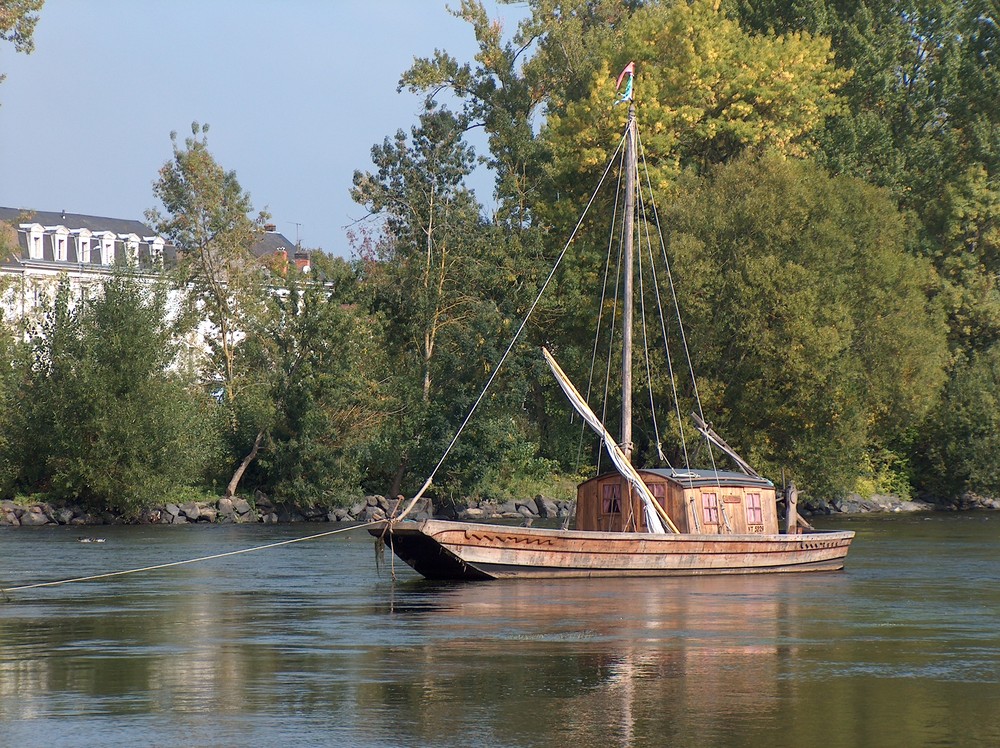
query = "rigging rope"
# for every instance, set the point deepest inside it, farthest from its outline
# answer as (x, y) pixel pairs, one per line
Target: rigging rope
(524, 323)
(600, 318)
(155, 567)
(645, 336)
(680, 327)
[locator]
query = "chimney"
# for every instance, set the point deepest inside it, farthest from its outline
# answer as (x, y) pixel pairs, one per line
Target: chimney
(270, 228)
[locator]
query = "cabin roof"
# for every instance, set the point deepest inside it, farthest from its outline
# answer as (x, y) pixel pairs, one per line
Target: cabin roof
(693, 478)
(709, 477)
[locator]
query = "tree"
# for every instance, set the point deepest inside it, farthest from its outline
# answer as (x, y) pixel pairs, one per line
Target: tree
(208, 219)
(17, 24)
(320, 357)
(96, 414)
(958, 450)
(498, 97)
(707, 92)
(440, 282)
(920, 120)
(818, 339)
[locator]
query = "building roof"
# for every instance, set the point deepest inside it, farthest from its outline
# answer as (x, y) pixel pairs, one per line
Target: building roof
(269, 243)
(272, 242)
(75, 221)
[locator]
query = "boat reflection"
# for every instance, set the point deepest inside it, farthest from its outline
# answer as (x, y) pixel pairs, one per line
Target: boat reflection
(617, 660)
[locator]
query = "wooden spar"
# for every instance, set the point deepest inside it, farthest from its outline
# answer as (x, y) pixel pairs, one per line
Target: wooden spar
(718, 441)
(623, 465)
(627, 304)
(627, 290)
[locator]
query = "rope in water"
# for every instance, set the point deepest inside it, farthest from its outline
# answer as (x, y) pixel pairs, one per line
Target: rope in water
(170, 564)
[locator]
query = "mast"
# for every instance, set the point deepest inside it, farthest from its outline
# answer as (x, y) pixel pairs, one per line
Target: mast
(627, 291)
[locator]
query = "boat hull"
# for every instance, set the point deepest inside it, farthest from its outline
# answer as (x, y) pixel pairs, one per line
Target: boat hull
(440, 549)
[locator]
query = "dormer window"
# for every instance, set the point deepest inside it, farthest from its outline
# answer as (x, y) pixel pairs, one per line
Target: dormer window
(131, 244)
(60, 242)
(82, 237)
(35, 232)
(155, 250)
(107, 246)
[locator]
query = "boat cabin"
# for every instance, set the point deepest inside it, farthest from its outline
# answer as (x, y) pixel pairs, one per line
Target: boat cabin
(698, 501)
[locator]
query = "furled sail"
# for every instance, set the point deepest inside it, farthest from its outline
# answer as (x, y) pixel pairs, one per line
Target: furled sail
(656, 517)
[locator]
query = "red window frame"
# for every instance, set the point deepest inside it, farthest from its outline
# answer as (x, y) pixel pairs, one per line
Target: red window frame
(755, 512)
(659, 491)
(710, 508)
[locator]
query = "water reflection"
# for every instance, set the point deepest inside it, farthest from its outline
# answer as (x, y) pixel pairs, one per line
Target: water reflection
(311, 646)
(615, 656)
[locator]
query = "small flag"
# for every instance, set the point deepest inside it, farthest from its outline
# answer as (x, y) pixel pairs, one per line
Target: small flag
(626, 95)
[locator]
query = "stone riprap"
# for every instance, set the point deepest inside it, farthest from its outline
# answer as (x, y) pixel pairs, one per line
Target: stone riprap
(262, 509)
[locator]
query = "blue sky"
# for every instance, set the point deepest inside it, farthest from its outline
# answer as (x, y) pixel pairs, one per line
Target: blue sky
(295, 92)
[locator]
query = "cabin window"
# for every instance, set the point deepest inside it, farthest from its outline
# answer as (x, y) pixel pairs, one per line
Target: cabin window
(710, 508)
(612, 498)
(755, 514)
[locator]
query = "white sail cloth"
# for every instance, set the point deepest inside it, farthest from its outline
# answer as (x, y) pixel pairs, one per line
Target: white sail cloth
(656, 517)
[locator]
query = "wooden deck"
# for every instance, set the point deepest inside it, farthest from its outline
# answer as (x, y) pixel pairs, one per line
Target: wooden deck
(440, 549)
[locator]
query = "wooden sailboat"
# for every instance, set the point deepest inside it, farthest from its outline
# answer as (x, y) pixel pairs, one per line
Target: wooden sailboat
(630, 522)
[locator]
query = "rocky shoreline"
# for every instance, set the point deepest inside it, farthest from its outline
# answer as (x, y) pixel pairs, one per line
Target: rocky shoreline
(262, 510)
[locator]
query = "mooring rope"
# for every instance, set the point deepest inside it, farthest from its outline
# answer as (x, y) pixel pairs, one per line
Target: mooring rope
(106, 575)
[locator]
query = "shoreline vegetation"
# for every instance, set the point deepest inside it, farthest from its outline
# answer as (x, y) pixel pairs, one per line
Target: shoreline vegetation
(375, 507)
(833, 233)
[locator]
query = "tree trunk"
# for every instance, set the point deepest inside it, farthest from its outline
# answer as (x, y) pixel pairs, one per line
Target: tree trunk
(238, 475)
(397, 478)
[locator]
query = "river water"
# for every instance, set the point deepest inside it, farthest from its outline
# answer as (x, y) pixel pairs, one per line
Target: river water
(312, 645)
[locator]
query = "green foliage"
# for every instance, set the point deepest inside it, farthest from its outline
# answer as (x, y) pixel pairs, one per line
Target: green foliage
(318, 352)
(959, 447)
(95, 414)
(707, 92)
(812, 323)
(225, 288)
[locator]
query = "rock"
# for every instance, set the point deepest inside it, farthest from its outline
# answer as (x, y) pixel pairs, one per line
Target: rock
(546, 506)
(423, 509)
(208, 514)
(64, 516)
(34, 516)
(508, 509)
(191, 510)
(526, 511)
(357, 508)
(372, 513)
(173, 510)
(312, 513)
(9, 518)
(340, 514)
(263, 503)
(472, 512)
(287, 513)
(271, 518)
(241, 507)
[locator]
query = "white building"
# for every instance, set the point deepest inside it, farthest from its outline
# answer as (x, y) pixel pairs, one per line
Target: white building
(38, 248)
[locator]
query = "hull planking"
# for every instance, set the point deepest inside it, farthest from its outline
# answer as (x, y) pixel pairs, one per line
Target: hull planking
(439, 549)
